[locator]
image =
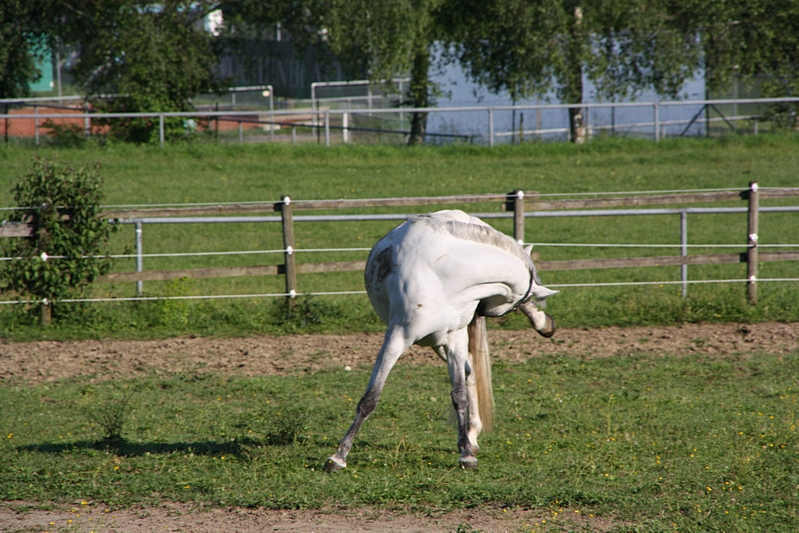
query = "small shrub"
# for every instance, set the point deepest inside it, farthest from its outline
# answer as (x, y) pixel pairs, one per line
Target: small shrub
(108, 414)
(287, 425)
(175, 313)
(65, 135)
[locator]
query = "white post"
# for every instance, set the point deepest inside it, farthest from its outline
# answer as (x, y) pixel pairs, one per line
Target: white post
(401, 115)
(327, 128)
(241, 133)
(87, 125)
(58, 69)
(139, 258)
(657, 122)
(272, 113)
(161, 129)
(491, 127)
(345, 124)
(684, 251)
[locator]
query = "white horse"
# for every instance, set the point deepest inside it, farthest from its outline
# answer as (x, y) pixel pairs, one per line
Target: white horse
(433, 280)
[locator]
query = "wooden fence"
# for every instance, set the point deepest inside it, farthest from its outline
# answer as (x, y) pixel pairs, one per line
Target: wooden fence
(521, 204)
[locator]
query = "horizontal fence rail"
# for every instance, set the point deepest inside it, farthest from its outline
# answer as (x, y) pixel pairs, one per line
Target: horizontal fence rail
(517, 205)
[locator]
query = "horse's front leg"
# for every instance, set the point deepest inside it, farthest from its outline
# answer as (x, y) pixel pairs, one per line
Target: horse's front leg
(394, 345)
(457, 356)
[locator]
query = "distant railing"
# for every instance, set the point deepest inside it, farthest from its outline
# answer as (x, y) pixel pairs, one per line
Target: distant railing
(480, 126)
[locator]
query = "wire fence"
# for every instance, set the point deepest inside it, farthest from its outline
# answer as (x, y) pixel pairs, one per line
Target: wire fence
(518, 206)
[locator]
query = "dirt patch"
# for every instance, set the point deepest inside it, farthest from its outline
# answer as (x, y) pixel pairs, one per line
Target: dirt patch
(19, 517)
(37, 362)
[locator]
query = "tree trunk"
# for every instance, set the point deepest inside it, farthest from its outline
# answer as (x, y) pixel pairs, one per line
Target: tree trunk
(419, 92)
(573, 90)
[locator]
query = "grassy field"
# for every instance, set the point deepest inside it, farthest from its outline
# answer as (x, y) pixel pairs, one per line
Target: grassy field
(667, 444)
(219, 173)
(682, 443)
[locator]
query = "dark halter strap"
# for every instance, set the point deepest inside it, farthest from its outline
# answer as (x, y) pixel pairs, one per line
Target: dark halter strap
(514, 306)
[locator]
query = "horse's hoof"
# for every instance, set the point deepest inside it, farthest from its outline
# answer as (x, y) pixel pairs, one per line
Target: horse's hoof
(468, 463)
(549, 328)
(334, 464)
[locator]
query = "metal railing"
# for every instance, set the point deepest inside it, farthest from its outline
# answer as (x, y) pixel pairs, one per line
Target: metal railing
(483, 124)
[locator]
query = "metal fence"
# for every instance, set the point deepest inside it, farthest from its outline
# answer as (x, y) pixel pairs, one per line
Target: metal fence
(484, 125)
(751, 250)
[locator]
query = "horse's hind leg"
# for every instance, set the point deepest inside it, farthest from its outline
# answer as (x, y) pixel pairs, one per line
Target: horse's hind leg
(394, 345)
(475, 424)
(457, 352)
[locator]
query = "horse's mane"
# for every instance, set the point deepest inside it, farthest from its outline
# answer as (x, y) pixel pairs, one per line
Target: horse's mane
(478, 233)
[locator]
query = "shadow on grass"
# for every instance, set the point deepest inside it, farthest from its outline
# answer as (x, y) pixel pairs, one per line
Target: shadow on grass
(131, 449)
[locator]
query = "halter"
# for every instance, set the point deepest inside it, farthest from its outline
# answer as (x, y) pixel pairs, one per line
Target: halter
(522, 300)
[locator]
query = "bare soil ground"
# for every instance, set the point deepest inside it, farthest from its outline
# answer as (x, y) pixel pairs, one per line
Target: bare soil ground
(39, 362)
(46, 361)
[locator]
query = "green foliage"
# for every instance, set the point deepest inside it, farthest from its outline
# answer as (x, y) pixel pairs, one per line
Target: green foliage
(62, 204)
(65, 135)
(756, 41)
(21, 45)
(154, 59)
(174, 313)
(713, 441)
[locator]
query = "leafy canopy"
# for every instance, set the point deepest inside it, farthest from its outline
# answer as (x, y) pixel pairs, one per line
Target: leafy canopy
(151, 57)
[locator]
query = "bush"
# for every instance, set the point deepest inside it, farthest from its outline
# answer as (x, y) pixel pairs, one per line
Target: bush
(65, 252)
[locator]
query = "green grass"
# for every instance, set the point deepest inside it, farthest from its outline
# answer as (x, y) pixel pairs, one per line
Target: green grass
(664, 443)
(226, 173)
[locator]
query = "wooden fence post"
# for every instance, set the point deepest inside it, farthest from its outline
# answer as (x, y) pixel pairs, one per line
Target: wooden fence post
(752, 238)
(287, 220)
(518, 215)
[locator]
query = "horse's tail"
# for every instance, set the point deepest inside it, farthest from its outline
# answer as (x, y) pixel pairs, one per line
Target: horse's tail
(478, 348)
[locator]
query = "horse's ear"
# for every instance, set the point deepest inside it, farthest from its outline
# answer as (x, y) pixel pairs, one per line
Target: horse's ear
(541, 292)
(528, 249)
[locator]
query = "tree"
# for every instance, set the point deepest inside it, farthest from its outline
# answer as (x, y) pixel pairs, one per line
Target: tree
(520, 46)
(22, 44)
(388, 38)
(383, 38)
(528, 48)
(152, 57)
(756, 39)
(63, 206)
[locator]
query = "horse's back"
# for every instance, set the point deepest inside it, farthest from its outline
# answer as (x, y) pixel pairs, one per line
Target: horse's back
(436, 267)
